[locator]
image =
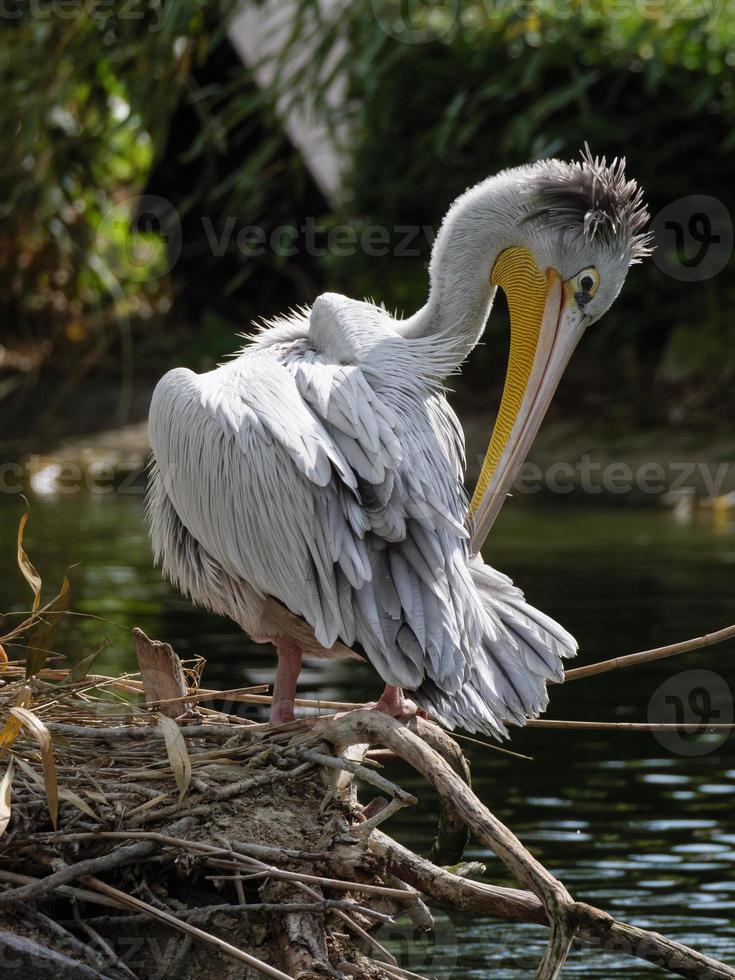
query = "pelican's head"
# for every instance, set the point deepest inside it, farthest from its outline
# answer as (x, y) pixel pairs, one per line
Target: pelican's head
(563, 238)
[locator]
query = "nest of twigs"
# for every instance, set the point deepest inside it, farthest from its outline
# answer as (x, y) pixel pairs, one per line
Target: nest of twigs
(123, 824)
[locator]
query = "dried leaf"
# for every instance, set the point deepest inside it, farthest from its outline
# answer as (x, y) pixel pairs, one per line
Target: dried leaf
(71, 797)
(10, 732)
(5, 794)
(178, 754)
(42, 735)
(42, 638)
(79, 670)
(64, 794)
(12, 726)
(28, 769)
(24, 563)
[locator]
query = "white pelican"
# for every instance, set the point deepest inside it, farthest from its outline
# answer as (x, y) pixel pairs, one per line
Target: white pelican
(311, 488)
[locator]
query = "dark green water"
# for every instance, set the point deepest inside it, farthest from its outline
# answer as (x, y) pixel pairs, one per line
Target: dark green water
(641, 827)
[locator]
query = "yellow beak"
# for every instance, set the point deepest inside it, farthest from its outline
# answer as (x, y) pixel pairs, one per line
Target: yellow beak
(545, 327)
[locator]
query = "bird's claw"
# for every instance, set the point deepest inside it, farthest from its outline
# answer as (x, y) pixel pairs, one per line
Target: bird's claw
(403, 710)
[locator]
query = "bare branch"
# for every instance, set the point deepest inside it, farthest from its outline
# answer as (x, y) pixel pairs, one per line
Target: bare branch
(647, 656)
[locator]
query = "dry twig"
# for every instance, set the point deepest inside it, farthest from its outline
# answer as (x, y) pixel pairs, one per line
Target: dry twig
(171, 920)
(647, 656)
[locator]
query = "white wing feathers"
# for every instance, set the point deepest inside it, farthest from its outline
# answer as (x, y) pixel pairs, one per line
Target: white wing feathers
(328, 473)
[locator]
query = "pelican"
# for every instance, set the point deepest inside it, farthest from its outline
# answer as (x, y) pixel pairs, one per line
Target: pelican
(311, 488)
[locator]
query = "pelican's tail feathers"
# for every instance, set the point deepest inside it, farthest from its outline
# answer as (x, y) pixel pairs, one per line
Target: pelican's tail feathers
(520, 652)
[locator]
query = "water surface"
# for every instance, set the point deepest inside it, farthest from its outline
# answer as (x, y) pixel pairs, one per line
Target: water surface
(642, 827)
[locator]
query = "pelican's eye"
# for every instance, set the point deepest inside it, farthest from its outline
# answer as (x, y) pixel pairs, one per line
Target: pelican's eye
(584, 285)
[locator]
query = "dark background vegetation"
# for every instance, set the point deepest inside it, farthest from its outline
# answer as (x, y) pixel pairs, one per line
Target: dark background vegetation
(107, 103)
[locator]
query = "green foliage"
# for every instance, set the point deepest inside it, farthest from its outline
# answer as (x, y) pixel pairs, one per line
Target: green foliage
(89, 98)
(88, 93)
(510, 82)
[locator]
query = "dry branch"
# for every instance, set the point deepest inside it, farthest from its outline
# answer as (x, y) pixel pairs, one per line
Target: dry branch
(647, 656)
(625, 726)
(452, 836)
(45, 886)
(514, 905)
(47, 962)
(458, 892)
(79, 893)
(186, 927)
(376, 728)
(70, 942)
(550, 899)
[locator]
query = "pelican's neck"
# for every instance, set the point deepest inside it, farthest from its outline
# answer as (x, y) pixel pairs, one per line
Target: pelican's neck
(458, 306)
(475, 230)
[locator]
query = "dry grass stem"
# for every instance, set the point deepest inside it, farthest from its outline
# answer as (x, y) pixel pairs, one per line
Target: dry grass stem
(647, 656)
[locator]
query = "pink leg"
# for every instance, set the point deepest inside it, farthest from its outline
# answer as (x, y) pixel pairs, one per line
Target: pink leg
(284, 685)
(393, 703)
